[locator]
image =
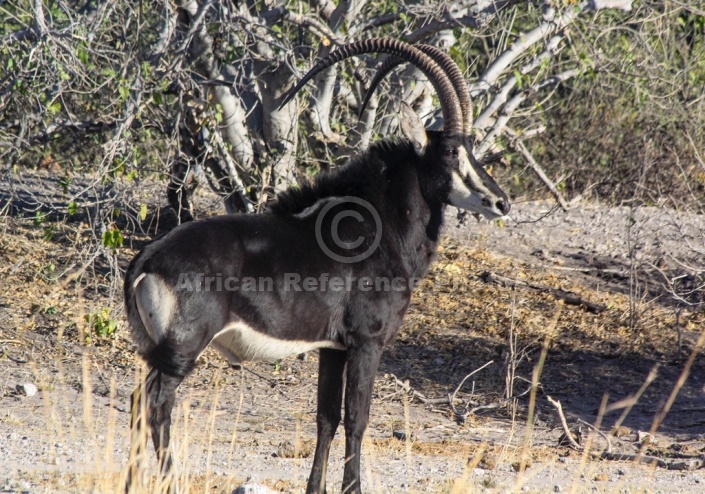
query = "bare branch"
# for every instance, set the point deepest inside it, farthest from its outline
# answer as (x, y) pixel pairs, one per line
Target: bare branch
(364, 128)
(197, 19)
(553, 21)
(476, 19)
(40, 25)
(625, 5)
(689, 8)
(167, 30)
(346, 11)
(511, 106)
(325, 7)
(311, 24)
(19, 35)
(518, 145)
(315, 27)
(602, 434)
(240, 188)
(466, 378)
(566, 430)
(485, 118)
(378, 21)
(322, 99)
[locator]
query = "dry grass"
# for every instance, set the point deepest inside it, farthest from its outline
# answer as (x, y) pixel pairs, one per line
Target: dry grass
(454, 316)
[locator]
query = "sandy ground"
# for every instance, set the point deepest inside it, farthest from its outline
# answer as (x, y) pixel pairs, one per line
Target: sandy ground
(232, 425)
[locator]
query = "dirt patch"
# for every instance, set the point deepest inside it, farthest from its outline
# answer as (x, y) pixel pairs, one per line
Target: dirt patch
(233, 425)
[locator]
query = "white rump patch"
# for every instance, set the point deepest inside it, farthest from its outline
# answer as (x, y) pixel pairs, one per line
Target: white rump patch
(240, 342)
(156, 303)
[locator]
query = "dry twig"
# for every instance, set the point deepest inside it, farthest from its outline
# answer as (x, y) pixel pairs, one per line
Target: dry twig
(564, 423)
(604, 436)
(501, 403)
(452, 397)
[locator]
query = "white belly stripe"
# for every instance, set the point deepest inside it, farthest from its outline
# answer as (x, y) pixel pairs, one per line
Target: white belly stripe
(240, 342)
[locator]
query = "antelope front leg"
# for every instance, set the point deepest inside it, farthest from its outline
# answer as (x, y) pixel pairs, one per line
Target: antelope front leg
(362, 367)
(330, 400)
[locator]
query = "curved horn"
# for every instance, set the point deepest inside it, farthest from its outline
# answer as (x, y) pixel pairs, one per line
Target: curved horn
(450, 106)
(447, 64)
(387, 66)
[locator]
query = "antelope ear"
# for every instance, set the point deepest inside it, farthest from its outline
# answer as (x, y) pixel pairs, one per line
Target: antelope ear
(412, 128)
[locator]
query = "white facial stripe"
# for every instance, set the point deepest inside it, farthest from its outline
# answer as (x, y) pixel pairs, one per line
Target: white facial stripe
(467, 170)
(462, 197)
(241, 342)
(465, 165)
(459, 189)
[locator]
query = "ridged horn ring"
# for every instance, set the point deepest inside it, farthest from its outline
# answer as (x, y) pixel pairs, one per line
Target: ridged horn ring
(447, 64)
(450, 104)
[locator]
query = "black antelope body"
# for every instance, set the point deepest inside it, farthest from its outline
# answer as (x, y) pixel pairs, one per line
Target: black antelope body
(361, 236)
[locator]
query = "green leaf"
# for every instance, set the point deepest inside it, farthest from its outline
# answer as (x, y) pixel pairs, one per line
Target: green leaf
(73, 207)
(39, 218)
(101, 324)
(518, 77)
(64, 183)
(82, 55)
(112, 239)
(219, 113)
(123, 90)
(143, 212)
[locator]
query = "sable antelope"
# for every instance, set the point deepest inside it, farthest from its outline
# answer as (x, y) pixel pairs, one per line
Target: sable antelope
(377, 218)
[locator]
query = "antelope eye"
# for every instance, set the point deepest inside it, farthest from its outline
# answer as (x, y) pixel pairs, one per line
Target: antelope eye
(451, 152)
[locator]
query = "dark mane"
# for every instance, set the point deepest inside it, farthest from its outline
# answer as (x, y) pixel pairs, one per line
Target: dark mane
(330, 267)
(364, 176)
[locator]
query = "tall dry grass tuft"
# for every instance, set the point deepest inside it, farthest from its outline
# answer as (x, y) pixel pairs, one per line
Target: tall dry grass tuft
(535, 380)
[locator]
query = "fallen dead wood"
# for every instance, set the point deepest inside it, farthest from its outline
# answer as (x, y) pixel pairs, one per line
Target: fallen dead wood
(677, 464)
(564, 423)
(406, 387)
(602, 434)
(685, 464)
(569, 298)
(501, 403)
(450, 398)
